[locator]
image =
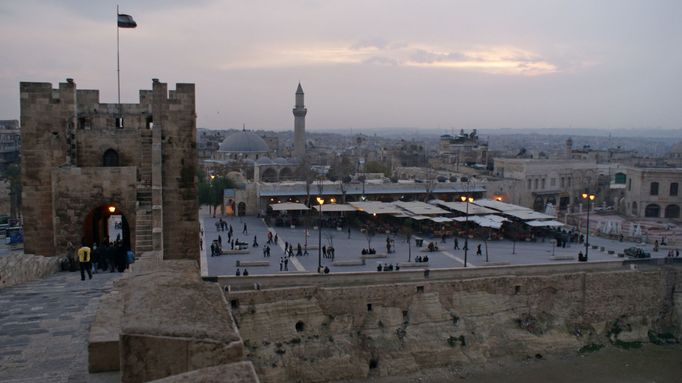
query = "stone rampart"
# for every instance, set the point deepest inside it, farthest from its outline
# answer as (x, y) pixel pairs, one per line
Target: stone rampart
(326, 332)
(20, 268)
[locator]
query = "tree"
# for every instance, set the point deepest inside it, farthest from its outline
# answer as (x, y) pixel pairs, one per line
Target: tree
(407, 231)
(13, 174)
(377, 167)
(210, 189)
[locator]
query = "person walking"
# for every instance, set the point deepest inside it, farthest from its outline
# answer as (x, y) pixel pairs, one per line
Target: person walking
(456, 244)
(255, 241)
(84, 254)
(348, 231)
(478, 250)
(245, 231)
(286, 264)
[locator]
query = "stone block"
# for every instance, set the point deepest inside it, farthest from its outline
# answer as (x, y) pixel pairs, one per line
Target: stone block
(103, 342)
(240, 372)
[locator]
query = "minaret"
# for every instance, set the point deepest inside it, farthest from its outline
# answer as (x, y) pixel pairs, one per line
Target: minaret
(299, 124)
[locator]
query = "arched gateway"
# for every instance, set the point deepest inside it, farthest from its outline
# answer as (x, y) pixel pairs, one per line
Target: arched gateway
(106, 223)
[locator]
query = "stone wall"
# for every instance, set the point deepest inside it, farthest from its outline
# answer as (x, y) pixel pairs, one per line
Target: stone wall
(175, 114)
(76, 191)
(318, 333)
(20, 268)
(45, 114)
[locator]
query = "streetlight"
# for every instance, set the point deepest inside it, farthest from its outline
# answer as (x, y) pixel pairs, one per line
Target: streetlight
(589, 197)
(466, 224)
(320, 201)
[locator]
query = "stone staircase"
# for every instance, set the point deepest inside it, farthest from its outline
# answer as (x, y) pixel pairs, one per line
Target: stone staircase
(143, 214)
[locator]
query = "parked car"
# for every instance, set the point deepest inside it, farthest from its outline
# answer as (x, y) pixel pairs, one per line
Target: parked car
(636, 252)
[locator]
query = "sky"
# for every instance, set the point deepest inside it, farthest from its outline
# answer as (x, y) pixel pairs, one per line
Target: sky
(366, 64)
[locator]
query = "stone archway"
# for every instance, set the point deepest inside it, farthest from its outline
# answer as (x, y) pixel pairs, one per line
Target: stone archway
(672, 211)
(285, 174)
(241, 209)
(103, 222)
(539, 204)
(269, 175)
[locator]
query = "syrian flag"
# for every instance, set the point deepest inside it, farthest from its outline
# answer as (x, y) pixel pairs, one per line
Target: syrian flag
(126, 21)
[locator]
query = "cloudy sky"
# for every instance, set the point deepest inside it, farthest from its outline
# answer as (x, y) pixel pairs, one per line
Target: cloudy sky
(420, 64)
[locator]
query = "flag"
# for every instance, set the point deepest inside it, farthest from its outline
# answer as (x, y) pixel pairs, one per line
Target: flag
(126, 21)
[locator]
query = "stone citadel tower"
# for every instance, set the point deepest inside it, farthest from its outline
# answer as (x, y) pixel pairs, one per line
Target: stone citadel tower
(89, 166)
(299, 124)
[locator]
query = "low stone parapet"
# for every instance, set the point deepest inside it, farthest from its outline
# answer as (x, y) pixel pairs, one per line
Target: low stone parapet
(234, 252)
(19, 268)
(374, 256)
(413, 264)
(349, 262)
(252, 263)
(562, 258)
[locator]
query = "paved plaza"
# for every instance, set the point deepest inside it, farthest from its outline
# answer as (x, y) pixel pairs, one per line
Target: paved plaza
(44, 328)
(348, 250)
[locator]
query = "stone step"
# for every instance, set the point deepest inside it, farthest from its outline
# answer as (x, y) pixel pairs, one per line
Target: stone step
(103, 347)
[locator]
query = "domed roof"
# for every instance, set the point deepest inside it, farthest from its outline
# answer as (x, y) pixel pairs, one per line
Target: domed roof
(280, 161)
(243, 142)
(263, 161)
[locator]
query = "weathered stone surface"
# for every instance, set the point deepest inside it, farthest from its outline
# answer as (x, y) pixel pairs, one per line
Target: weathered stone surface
(315, 334)
(241, 372)
(103, 343)
(173, 322)
(19, 268)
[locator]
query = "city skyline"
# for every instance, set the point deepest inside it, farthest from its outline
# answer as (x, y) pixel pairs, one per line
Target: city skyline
(433, 65)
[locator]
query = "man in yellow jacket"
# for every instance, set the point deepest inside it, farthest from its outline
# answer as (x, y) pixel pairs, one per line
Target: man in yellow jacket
(84, 253)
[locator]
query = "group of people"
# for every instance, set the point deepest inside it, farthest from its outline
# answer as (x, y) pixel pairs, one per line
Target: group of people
(368, 251)
(300, 251)
(388, 267)
(107, 256)
(673, 253)
(420, 259)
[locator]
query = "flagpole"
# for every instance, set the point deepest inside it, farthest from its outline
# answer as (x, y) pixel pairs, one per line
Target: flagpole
(118, 62)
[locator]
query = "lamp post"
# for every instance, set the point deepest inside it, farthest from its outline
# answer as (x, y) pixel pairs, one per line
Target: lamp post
(320, 201)
(589, 198)
(466, 224)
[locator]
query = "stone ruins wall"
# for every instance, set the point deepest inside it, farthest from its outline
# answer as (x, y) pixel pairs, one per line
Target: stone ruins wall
(175, 113)
(317, 333)
(76, 191)
(45, 114)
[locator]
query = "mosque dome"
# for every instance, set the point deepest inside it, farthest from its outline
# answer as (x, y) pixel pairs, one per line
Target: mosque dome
(264, 161)
(243, 142)
(280, 161)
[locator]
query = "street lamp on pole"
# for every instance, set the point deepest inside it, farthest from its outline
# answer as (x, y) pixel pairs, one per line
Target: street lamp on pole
(320, 201)
(466, 224)
(589, 198)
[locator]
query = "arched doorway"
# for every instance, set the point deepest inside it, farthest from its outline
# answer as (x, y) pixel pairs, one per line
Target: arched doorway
(110, 158)
(241, 209)
(285, 174)
(652, 211)
(672, 211)
(539, 204)
(106, 223)
(269, 175)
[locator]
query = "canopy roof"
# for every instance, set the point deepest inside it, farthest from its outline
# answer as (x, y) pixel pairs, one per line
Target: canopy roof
(550, 223)
(417, 207)
(482, 221)
(527, 215)
(376, 207)
(498, 205)
(288, 206)
(461, 207)
(441, 219)
(332, 207)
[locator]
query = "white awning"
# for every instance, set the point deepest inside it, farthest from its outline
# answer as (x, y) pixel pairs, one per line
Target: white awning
(481, 221)
(527, 215)
(421, 208)
(441, 219)
(376, 207)
(419, 217)
(550, 223)
(284, 206)
(334, 207)
(499, 205)
(461, 207)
